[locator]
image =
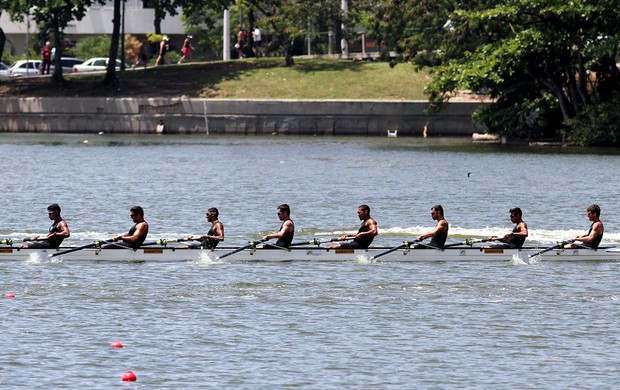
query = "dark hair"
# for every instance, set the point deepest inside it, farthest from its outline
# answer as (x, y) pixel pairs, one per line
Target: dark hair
(285, 208)
(53, 207)
(364, 208)
(516, 211)
(214, 211)
(438, 207)
(137, 210)
(594, 209)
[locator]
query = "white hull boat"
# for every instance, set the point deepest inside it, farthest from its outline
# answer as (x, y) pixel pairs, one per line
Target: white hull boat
(309, 253)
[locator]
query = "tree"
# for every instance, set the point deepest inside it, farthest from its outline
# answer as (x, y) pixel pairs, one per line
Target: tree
(289, 19)
(543, 60)
(50, 15)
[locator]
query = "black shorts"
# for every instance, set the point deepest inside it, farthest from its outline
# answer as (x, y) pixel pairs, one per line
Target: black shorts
(350, 245)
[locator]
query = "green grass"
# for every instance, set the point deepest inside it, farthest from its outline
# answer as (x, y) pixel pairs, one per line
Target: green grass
(323, 79)
(264, 78)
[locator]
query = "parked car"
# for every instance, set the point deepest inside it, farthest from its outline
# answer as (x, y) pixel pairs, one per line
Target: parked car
(96, 64)
(4, 71)
(67, 64)
(24, 68)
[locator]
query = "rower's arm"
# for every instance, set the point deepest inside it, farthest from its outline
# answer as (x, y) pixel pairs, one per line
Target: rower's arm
(441, 226)
(218, 229)
(63, 231)
(597, 229)
(141, 231)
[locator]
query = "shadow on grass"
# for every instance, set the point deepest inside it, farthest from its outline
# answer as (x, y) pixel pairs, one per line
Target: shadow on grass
(198, 79)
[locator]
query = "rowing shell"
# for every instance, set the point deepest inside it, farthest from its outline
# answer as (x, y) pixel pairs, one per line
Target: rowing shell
(171, 254)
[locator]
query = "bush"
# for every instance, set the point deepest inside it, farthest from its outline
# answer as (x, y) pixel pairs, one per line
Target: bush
(93, 46)
(598, 125)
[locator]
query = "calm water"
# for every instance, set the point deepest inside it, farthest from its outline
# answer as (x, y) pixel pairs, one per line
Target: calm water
(306, 325)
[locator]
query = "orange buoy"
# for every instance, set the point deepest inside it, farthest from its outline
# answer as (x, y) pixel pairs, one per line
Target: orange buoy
(116, 344)
(129, 376)
(9, 295)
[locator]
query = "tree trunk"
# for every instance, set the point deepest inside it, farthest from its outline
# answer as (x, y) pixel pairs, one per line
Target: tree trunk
(2, 42)
(110, 79)
(158, 18)
(57, 78)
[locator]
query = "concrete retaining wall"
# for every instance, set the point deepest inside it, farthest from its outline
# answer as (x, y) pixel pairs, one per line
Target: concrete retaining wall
(233, 116)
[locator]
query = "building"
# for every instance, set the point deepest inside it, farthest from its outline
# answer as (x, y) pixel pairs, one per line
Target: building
(139, 19)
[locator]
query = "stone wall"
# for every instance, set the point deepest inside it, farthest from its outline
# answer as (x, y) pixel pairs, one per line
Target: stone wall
(234, 116)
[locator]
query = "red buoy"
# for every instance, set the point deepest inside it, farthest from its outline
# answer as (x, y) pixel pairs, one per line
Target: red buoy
(116, 344)
(37, 277)
(9, 295)
(129, 376)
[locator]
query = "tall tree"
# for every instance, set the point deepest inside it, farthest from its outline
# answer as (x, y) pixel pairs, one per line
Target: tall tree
(110, 79)
(546, 63)
(53, 16)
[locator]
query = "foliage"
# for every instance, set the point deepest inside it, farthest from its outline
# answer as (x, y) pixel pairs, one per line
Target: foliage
(540, 59)
(92, 46)
(52, 16)
(598, 125)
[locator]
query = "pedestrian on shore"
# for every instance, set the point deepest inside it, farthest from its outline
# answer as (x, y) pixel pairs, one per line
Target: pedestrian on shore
(187, 49)
(46, 58)
(163, 50)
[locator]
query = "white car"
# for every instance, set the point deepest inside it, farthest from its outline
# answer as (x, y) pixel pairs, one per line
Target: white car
(96, 64)
(24, 68)
(4, 71)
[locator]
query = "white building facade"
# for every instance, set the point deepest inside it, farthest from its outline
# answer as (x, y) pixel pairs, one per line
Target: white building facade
(139, 19)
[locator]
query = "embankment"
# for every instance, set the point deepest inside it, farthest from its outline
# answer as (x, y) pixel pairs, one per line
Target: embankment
(235, 116)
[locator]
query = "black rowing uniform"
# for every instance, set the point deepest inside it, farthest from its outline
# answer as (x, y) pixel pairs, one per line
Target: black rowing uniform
(362, 242)
(515, 242)
(286, 240)
(595, 242)
(208, 243)
(52, 242)
(438, 240)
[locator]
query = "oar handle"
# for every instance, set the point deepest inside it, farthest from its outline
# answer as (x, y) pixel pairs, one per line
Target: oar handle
(469, 242)
(405, 244)
(250, 244)
(314, 241)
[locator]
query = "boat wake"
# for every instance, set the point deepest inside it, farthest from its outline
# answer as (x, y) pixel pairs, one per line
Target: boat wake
(523, 259)
(41, 258)
(363, 259)
(206, 258)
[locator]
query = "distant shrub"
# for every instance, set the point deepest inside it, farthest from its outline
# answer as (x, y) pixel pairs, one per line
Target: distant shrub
(93, 46)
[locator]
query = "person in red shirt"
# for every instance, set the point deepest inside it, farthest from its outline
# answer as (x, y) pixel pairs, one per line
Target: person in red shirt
(46, 58)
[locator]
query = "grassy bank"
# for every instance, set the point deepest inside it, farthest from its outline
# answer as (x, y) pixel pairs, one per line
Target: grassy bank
(247, 79)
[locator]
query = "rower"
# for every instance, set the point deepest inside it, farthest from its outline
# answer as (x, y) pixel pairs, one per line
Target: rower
(365, 234)
(594, 236)
(215, 233)
(136, 235)
(516, 238)
(57, 232)
(439, 234)
(287, 229)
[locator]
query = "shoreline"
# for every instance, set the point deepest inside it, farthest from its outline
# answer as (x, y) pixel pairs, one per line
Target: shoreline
(182, 115)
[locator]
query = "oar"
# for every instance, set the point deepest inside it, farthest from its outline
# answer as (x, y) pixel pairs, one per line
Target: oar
(405, 244)
(468, 242)
(165, 242)
(314, 241)
(556, 246)
(79, 248)
(249, 245)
